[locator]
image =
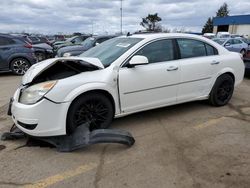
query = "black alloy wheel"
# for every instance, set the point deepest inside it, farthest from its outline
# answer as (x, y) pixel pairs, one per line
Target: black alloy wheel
(94, 109)
(222, 91)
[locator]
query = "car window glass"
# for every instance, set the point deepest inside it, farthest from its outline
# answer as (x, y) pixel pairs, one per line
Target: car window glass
(6, 41)
(108, 51)
(77, 40)
(191, 48)
(158, 51)
(211, 50)
(230, 41)
(236, 41)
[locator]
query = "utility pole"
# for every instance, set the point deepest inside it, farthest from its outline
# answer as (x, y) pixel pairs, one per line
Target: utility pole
(121, 16)
(92, 27)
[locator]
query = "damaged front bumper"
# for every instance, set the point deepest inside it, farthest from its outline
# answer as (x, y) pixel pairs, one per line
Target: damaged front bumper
(37, 119)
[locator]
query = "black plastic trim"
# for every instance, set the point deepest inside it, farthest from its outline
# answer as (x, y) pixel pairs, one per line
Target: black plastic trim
(27, 126)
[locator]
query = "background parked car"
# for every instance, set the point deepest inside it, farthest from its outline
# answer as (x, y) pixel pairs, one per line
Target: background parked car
(69, 42)
(40, 45)
(234, 44)
(209, 35)
(223, 35)
(16, 55)
(84, 46)
(43, 51)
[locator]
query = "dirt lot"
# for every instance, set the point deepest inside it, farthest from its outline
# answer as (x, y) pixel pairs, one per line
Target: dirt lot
(188, 145)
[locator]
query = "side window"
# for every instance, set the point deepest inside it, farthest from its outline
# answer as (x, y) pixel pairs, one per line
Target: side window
(191, 48)
(236, 41)
(211, 50)
(158, 51)
(5, 41)
(77, 40)
(230, 41)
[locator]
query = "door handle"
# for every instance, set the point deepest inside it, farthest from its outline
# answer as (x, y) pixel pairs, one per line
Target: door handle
(215, 63)
(172, 68)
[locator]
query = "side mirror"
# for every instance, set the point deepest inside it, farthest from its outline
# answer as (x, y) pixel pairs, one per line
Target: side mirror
(227, 44)
(138, 60)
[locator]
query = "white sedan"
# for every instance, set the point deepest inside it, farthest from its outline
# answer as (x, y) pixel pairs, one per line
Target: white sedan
(121, 76)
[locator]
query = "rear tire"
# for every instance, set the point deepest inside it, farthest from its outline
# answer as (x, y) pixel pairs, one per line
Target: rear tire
(222, 90)
(19, 66)
(93, 108)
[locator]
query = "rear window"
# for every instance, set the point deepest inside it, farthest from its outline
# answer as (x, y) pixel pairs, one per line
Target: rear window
(6, 41)
(211, 50)
(191, 48)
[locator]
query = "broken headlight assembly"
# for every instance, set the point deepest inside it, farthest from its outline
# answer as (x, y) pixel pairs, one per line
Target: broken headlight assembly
(34, 93)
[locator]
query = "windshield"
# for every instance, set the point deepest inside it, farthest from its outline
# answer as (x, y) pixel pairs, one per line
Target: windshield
(219, 41)
(108, 51)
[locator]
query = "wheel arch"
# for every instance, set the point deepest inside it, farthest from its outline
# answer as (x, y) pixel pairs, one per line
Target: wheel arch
(228, 71)
(99, 91)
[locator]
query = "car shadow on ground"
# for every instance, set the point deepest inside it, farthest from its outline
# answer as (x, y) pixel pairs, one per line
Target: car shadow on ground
(6, 74)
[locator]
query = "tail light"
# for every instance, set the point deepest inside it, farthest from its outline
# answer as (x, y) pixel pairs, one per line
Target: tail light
(28, 45)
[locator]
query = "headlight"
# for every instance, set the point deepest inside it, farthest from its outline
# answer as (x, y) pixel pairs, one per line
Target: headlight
(66, 54)
(34, 93)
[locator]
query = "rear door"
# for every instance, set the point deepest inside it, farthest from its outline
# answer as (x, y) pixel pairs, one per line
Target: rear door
(238, 45)
(151, 85)
(198, 65)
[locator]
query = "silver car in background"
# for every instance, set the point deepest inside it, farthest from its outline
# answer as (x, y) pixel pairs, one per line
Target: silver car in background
(239, 45)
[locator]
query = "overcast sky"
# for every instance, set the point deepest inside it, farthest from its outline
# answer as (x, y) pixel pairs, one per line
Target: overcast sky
(67, 16)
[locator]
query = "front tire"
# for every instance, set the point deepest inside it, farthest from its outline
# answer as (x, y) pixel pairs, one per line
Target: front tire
(19, 66)
(222, 90)
(93, 108)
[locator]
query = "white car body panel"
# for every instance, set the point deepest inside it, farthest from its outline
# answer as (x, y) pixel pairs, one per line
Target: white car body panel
(150, 92)
(135, 89)
(35, 69)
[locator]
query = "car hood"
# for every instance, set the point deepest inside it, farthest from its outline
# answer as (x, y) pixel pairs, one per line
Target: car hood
(38, 68)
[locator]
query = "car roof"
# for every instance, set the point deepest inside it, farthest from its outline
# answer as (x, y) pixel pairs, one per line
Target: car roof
(14, 36)
(151, 36)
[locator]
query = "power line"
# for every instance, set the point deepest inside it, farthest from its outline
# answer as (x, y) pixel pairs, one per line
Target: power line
(121, 16)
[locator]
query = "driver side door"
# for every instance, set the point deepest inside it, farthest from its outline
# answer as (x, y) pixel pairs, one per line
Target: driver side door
(150, 85)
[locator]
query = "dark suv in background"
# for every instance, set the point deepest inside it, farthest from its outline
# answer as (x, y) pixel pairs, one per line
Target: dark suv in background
(16, 55)
(84, 46)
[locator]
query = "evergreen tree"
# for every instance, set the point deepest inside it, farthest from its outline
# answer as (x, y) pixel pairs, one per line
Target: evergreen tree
(208, 27)
(223, 11)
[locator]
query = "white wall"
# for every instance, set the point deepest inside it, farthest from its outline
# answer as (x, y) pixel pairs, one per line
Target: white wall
(243, 30)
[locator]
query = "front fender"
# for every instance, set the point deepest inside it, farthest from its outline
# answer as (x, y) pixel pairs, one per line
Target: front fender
(95, 86)
(69, 97)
